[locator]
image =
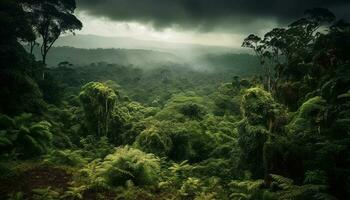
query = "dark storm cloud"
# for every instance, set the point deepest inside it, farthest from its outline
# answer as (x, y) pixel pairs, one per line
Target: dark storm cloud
(208, 14)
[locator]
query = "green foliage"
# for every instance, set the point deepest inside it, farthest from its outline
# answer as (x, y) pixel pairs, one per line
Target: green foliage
(16, 196)
(184, 107)
(308, 117)
(256, 105)
(7, 167)
(217, 140)
(19, 91)
(154, 141)
(98, 102)
(35, 140)
(315, 177)
(228, 99)
(263, 121)
(65, 157)
(45, 193)
(6, 122)
(181, 170)
(74, 193)
(192, 111)
(131, 192)
(15, 82)
(190, 188)
(225, 169)
(124, 164)
(287, 190)
(93, 148)
(103, 118)
(139, 112)
(26, 138)
(50, 19)
(178, 141)
(245, 190)
(251, 140)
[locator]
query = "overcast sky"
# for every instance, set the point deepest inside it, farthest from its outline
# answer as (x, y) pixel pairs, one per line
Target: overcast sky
(208, 22)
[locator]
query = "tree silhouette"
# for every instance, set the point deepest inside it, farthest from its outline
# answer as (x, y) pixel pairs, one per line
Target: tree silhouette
(281, 48)
(51, 18)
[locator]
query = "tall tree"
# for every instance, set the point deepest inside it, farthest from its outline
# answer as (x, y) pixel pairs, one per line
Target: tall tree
(282, 48)
(50, 19)
(18, 90)
(260, 48)
(99, 102)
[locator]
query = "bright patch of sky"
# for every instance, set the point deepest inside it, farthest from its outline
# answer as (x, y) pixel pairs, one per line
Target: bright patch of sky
(102, 26)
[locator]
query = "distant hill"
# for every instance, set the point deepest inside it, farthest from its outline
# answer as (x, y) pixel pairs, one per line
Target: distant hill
(182, 49)
(87, 49)
(120, 56)
(243, 64)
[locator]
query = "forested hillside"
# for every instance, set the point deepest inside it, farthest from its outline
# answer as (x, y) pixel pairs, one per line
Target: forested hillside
(225, 130)
(147, 59)
(120, 56)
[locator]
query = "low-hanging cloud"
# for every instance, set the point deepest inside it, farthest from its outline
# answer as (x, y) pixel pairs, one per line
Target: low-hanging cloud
(206, 15)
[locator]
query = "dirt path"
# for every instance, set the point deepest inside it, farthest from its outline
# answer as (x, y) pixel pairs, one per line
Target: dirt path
(34, 178)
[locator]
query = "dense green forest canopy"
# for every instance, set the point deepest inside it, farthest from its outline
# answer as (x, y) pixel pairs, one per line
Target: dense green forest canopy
(271, 126)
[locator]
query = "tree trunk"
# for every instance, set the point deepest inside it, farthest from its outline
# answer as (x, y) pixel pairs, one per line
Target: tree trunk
(106, 112)
(44, 62)
(32, 44)
(44, 57)
(269, 79)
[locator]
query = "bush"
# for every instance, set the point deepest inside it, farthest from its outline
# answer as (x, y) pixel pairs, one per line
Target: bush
(34, 141)
(256, 105)
(24, 137)
(190, 188)
(166, 139)
(308, 117)
(192, 110)
(251, 140)
(155, 141)
(94, 148)
(126, 164)
(183, 107)
(65, 157)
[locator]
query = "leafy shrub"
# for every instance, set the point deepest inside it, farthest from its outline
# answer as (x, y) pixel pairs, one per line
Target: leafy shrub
(166, 139)
(74, 193)
(186, 106)
(155, 141)
(251, 140)
(256, 105)
(16, 196)
(45, 193)
(191, 187)
(181, 140)
(246, 189)
(94, 148)
(192, 110)
(286, 189)
(26, 138)
(178, 141)
(308, 117)
(124, 164)
(178, 173)
(221, 168)
(315, 177)
(65, 157)
(132, 192)
(36, 139)
(227, 100)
